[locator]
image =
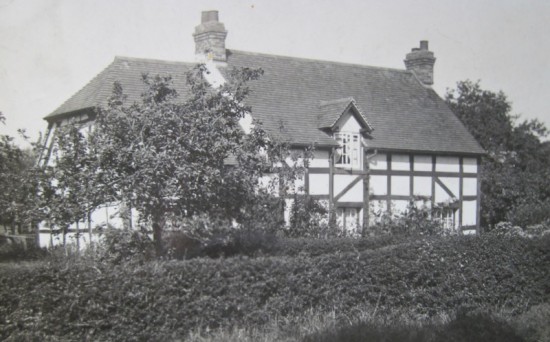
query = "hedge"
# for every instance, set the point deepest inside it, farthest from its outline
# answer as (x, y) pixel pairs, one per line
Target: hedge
(165, 300)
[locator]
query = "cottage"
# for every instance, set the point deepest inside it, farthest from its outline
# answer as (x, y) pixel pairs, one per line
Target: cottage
(383, 136)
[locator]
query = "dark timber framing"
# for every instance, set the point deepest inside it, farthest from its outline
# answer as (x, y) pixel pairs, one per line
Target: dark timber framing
(411, 173)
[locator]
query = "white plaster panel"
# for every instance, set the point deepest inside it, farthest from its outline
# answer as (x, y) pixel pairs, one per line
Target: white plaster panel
(422, 186)
(378, 185)
(318, 184)
(299, 185)
(377, 208)
(269, 182)
(355, 194)
(422, 163)
(469, 187)
(44, 240)
(469, 165)
(452, 183)
(400, 162)
(378, 162)
(400, 185)
(341, 181)
(423, 204)
(399, 207)
(447, 164)
(320, 159)
(348, 123)
(289, 202)
(441, 195)
(469, 213)
(456, 215)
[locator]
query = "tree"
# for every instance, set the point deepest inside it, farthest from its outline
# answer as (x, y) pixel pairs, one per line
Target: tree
(515, 173)
(15, 181)
(167, 155)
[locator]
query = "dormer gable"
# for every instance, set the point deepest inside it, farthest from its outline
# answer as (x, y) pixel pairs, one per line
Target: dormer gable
(342, 114)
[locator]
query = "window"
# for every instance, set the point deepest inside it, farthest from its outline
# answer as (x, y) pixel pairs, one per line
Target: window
(446, 217)
(349, 153)
(348, 219)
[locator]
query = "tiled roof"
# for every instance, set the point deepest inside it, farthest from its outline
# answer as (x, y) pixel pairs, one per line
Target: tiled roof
(405, 115)
(128, 72)
(331, 111)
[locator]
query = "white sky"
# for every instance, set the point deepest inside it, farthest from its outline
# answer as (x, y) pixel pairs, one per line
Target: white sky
(49, 49)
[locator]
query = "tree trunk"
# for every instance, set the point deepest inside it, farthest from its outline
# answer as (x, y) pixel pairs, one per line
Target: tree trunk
(77, 237)
(89, 219)
(158, 225)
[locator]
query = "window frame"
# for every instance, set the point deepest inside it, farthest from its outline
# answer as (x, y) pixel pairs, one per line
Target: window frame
(350, 150)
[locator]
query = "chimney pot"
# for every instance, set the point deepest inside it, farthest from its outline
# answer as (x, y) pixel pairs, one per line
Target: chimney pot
(207, 16)
(421, 62)
(423, 45)
(210, 37)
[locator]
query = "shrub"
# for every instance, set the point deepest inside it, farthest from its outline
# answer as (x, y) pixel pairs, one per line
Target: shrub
(123, 245)
(477, 327)
(165, 300)
(538, 230)
(533, 324)
(19, 248)
(507, 229)
(416, 220)
(471, 327)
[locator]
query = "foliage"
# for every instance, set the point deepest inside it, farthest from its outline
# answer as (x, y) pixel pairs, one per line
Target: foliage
(167, 157)
(416, 220)
(18, 248)
(533, 324)
(125, 246)
(17, 181)
(165, 300)
(308, 218)
(69, 190)
(515, 173)
(465, 327)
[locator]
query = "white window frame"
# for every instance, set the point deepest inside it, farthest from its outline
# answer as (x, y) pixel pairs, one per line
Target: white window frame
(348, 219)
(350, 152)
(446, 216)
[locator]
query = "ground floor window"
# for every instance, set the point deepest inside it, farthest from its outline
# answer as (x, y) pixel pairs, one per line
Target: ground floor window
(446, 216)
(348, 218)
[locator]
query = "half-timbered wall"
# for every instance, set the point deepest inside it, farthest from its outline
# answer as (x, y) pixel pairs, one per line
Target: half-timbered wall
(450, 182)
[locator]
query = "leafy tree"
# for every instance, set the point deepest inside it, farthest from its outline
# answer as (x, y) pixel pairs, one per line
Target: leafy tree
(70, 188)
(16, 182)
(516, 171)
(167, 155)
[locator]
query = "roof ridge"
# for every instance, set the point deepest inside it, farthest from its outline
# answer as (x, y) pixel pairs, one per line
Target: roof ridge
(141, 59)
(322, 61)
(341, 100)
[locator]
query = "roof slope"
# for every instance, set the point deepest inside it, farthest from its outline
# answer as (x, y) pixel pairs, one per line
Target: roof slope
(405, 115)
(128, 72)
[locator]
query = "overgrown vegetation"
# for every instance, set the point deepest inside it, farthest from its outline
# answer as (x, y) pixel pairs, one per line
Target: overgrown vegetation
(515, 174)
(89, 297)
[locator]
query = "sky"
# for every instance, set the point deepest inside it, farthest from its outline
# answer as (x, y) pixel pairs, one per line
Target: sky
(49, 49)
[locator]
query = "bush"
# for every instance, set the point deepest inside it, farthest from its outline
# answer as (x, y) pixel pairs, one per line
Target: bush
(466, 327)
(533, 324)
(19, 248)
(417, 220)
(507, 229)
(165, 300)
(123, 245)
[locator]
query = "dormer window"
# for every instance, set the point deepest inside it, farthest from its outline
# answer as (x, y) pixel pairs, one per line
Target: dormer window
(343, 119)
(349, 153)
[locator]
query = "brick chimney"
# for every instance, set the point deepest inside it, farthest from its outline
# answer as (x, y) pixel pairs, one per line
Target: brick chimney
(421, 62)
(210, 38)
